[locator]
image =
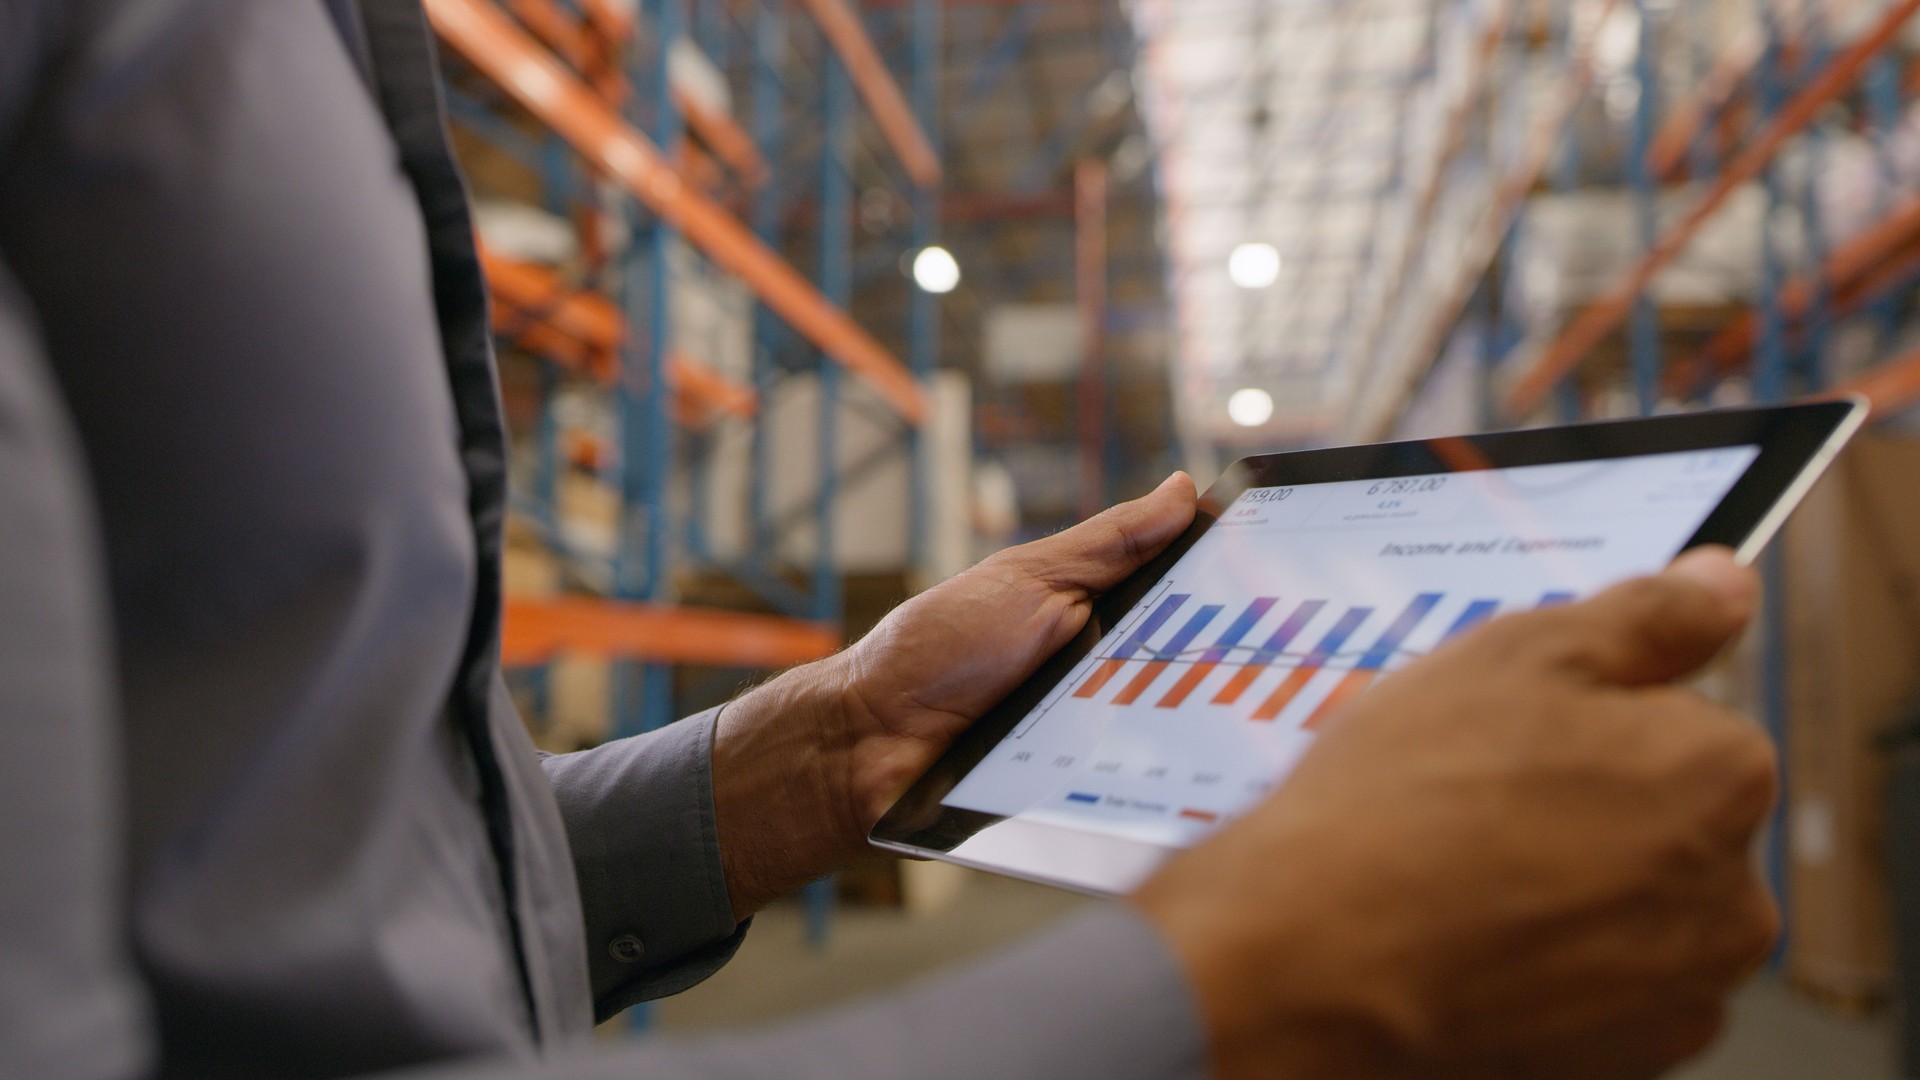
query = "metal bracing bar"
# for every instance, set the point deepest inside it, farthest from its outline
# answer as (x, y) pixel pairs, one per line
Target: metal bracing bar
(478, 30)
(843, 29)
(1597, 320)
(851, 476)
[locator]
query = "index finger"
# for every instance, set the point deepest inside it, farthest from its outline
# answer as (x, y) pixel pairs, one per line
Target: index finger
(1649, 630)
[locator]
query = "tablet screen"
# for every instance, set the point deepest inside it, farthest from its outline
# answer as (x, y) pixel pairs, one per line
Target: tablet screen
(1206, 692)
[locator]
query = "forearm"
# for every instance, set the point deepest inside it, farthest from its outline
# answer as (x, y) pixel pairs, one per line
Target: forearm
(1100, 996)
(781, 758)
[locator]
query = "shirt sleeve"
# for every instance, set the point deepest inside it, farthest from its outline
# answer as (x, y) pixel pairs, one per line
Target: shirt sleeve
(70, 1003)
(639, 817)
(1098, 997)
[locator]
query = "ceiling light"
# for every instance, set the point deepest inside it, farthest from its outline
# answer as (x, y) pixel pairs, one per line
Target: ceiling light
(935, 271)
(1250, 407)
(1254, 266)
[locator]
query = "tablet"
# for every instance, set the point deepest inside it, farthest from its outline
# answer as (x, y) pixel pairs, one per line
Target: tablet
(1201, 680)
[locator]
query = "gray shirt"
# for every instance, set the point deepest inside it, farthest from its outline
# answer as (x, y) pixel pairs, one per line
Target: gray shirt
(266, 809)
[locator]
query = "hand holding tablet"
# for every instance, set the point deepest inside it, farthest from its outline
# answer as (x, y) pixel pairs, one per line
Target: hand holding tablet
(1525, 856)
(1199, 682)
(1514, 849)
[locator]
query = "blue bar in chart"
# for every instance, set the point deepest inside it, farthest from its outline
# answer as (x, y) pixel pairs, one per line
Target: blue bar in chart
(1311, 664)
(1375, 660)
(1134, 643)
(1476, 613)
(1220, 651)
(1162, 657)
(1269, 652)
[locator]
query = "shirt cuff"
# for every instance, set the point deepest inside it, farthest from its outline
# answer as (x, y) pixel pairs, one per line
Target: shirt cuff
(640, 820)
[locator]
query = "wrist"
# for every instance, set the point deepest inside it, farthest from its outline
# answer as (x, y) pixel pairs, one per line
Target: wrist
(781, 802)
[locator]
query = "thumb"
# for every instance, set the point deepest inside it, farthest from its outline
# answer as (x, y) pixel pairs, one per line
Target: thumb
(1653, 629)
(1100, 552)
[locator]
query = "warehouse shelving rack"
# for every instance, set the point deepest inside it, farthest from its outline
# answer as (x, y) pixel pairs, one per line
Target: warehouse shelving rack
(584, 96)
(1772, 88)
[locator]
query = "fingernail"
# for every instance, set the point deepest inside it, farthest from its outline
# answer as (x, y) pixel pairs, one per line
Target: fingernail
(1714, 567)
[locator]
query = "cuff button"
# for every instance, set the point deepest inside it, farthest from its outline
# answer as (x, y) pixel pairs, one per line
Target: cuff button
(627, 949)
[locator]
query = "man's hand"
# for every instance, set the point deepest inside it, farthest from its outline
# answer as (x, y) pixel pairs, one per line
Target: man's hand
(804, 766)
(1526, 855)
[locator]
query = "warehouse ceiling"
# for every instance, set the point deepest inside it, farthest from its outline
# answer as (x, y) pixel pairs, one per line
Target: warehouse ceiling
(1277, 122)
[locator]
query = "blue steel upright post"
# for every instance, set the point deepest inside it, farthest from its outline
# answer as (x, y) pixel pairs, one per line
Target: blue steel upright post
(646, 418)
(923, 347)
(836, 284)
(1644, 329)
(769, 131)
(1770, 385)
(1808, 360)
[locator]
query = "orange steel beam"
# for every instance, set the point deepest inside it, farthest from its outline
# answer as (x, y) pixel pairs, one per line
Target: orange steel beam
(1872, 258)
(482, 33)
(534, 630)
(728, 141)
(844, 30)
(585, 331)
(709, 392)
(1888, 388)
(1603, 315)
(574, 42)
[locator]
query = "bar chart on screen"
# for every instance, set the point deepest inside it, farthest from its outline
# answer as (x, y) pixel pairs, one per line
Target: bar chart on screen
(1166, 674)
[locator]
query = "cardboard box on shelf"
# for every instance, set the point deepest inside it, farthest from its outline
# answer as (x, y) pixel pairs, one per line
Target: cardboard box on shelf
(1852, 635)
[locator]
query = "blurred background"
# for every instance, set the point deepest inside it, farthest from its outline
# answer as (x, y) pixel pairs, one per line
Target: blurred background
(806, 304)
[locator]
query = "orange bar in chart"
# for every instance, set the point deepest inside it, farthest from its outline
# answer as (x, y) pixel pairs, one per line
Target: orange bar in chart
(1267, 653)
(1136, 641)
(1376, 659)
(1345, 690)
(1210, 659)
(1141, 680)
(1101, 676)
(1312, 664)
(1178, 644)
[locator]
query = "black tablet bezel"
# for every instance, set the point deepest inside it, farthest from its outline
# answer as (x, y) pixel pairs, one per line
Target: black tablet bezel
(1796, 443)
